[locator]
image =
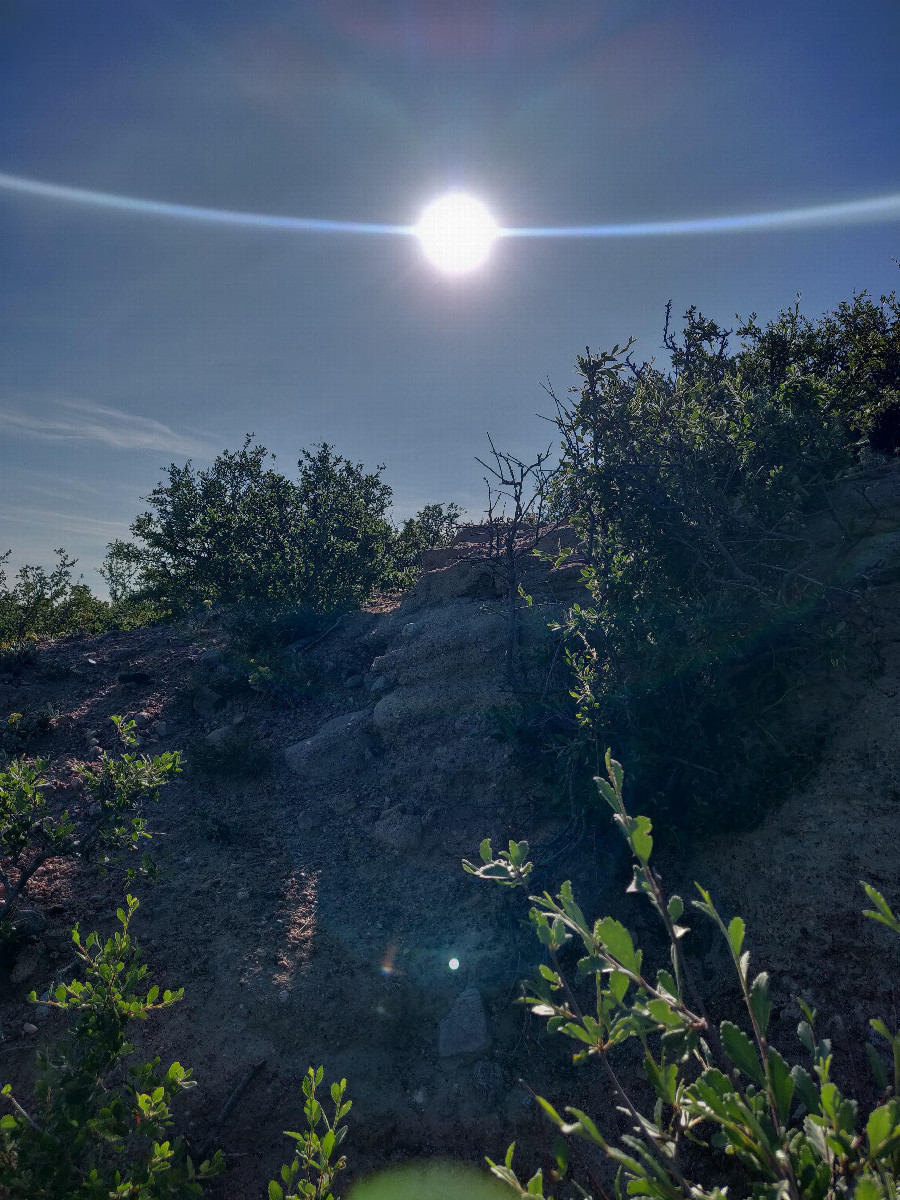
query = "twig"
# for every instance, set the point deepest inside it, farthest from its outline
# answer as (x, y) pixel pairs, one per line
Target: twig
(227, 1108)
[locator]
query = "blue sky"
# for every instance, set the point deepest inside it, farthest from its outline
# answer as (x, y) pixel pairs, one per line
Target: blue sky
(129, 341)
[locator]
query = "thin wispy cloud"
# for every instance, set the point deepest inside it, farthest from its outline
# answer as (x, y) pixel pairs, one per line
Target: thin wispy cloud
(64, 522)
(80, 420)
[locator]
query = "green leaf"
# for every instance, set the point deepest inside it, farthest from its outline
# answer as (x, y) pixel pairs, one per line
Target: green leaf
(736, 935)
(880, 1127)
(617, 940)
(584, 1127)
(882, 911)
(535, 1186)
(667, 983)
(868, 1188)
(675, 908)
(741, 1051)
(276, 1191)
(485, 851)
(641, 841)
(782, 1083)
(618, 984)
(806, 1089)
(602, 786)
(761, 1000)
(550, 1111)
(879, 1073)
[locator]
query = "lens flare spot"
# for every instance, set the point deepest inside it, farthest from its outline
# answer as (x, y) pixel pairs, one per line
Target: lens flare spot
(456, 233)
(453, 964)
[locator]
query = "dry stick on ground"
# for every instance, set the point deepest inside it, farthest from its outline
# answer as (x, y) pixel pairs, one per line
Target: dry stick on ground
(228, 1107)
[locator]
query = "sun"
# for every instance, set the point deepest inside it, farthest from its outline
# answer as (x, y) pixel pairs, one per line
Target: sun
(456, 232)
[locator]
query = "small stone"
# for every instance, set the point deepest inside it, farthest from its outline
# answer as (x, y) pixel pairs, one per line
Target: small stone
(97, 751)
(142, 718)
(95, 810)
(379, 684)
(242, 894)
(29, 1028)
(134, 677)
(353, 681)
(28, 922)
(208, 703)
(464, 1030)
(94, 741)
(161, 728)
(26, 965)
(396, 830)
(284, 996)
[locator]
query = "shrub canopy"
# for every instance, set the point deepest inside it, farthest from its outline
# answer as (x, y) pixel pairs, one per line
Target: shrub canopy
(241, 532)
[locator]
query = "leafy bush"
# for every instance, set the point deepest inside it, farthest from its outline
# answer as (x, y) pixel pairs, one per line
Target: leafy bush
(690, 492)
(432, 528)
(241, 532)
(17, 655)
(731, 1115)
(52, 603)
(110, 824)
(22, 727)
(100, 1119)
(312, 1172)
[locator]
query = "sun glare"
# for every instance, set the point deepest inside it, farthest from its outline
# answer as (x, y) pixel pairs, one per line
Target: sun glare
(456, 233)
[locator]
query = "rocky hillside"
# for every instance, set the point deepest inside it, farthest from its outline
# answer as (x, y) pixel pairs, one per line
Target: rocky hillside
(312, 902)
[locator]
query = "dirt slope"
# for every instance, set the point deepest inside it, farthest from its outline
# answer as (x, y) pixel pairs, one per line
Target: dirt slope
(312, 897)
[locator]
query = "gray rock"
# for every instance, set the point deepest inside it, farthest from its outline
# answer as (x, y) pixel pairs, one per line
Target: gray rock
(353, 681)
(397, 830)
(208, 703)
(335, 751)
(161, 728)
(219, 736)
(26, 965)
(141, 719)
(380, 684)
(30, 1029)
(464, 1030)
(28, 922)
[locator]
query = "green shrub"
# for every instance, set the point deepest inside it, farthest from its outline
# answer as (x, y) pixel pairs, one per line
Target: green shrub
(104, 829)
(313, 1170)
(432, 528)
(731, 1115)
(99, 1124)
(52, 603)
(20, 728)
(17, 655)
(690, 491)
(242, 533)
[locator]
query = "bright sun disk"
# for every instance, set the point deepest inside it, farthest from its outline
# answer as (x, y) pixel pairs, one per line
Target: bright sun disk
(457, 232)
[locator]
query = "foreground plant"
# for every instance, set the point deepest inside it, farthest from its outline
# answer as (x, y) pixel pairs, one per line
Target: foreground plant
(726, 1090)
(116, 788)
(311, 1175)
(98, 1125)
